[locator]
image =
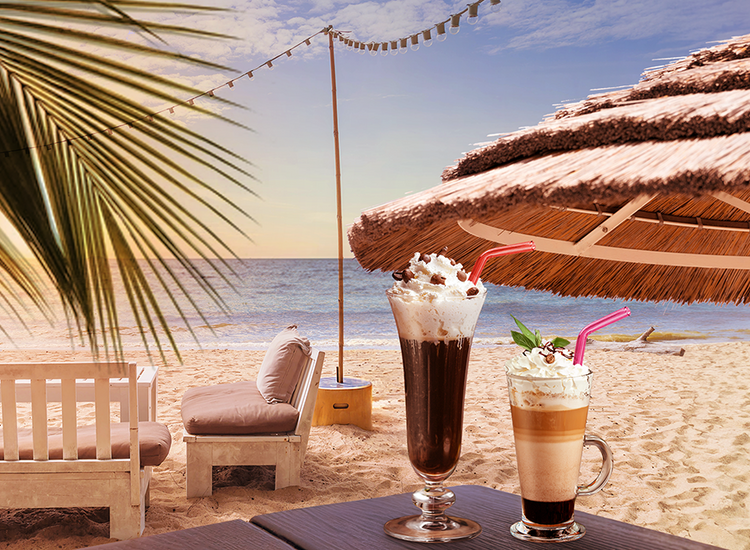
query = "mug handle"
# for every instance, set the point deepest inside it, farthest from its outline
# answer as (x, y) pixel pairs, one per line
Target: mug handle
(607, 464)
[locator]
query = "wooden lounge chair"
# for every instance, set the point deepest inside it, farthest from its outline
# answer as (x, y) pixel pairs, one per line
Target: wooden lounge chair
(255, 423)
(107, 464)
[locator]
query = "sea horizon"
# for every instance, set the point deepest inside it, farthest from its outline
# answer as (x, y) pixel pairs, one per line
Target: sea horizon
(273, 293)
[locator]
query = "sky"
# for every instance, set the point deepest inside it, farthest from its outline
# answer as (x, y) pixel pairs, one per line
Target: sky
(404, 118)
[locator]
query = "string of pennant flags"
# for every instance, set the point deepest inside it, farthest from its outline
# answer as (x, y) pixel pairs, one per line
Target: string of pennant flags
(403, 44)
(399, 45)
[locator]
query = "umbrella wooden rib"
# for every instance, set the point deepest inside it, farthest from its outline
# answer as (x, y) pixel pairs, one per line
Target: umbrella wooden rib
(612, 253)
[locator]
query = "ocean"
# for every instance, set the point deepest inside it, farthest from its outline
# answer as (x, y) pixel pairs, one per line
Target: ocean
(272, 294)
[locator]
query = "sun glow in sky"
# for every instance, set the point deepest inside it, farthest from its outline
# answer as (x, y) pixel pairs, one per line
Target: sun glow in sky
(404, 118)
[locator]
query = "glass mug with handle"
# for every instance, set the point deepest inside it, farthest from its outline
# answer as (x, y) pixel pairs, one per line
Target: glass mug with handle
(549, 428)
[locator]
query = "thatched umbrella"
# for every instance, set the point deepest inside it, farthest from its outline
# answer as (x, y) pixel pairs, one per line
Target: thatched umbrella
(642, 193)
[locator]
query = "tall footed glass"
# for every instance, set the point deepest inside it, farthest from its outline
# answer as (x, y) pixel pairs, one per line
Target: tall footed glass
(435, 338)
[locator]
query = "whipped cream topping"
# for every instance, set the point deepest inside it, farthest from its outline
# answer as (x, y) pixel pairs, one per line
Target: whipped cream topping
(434, 300)
(557, 383)
(543, 363)
(433, 276)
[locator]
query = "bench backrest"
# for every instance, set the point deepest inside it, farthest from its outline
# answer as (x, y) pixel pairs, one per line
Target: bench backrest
(66, 374)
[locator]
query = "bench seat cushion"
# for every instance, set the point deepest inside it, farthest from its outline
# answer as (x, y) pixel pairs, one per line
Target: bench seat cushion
(235, 409)
(154, 441)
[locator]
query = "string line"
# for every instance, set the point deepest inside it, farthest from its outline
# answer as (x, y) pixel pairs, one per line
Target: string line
(399, 44)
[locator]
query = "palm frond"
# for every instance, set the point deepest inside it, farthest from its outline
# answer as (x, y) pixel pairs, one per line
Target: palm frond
(88, 174)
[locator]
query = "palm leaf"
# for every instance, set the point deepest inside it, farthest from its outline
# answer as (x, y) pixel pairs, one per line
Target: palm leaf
(88, 174)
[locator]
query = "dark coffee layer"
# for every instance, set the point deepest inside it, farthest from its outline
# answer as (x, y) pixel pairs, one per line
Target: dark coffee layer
(548, 513)
(435, 382)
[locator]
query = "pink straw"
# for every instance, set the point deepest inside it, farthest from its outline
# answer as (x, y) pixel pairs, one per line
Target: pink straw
(593, 327)
(493, 253)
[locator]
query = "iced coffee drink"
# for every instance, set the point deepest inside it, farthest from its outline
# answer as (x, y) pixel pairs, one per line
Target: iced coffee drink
(436, 308)
(549, 399)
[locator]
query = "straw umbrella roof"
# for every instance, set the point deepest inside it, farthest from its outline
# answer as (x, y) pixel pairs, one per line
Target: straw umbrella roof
(641, 193)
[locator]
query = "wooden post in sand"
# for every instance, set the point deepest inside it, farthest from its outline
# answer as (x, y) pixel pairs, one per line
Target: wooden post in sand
(340, 369)
(341, 400)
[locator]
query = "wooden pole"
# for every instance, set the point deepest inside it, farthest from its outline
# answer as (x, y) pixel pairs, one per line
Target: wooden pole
(340, 369)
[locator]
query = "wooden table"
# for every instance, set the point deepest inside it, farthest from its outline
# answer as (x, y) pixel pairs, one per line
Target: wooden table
(118, 392)
(359, 525)
(228, 535)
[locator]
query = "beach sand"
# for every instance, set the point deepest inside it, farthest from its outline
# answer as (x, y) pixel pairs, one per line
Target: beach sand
(679, 428)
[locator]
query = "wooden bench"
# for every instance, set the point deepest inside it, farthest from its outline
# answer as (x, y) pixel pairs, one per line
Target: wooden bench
(37, 472)
(286, 451)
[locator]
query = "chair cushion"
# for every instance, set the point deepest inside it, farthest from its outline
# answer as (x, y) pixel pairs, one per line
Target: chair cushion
(154, 441)
(282, 365)
(234, 409)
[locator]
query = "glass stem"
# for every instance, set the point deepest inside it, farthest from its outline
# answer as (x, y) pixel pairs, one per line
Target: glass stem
(434, 500)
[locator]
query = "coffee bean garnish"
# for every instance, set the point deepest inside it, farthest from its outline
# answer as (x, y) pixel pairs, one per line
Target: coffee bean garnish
(404, 275)
(473, 291)
(437, 279)
(550, 359)
(462, 276)
(444, 251)
(426, 258)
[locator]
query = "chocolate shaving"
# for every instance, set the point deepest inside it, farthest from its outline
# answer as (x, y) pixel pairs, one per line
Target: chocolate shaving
(549, 349)
(473, 291)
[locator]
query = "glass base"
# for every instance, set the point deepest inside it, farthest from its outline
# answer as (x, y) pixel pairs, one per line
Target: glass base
(572, 532)
(417, 529)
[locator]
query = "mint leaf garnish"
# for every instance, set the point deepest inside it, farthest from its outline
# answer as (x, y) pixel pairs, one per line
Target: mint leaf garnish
(522, 340)
(530, 340)
(560, 342)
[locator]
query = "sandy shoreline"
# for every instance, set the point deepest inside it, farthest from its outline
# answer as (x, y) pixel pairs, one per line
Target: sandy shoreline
(678, 427)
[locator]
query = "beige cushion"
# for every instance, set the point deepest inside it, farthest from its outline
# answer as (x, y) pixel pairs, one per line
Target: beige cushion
(234, 409)
(282, 365)
(154, 441)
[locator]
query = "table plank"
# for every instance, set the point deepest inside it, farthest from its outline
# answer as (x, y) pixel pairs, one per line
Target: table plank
(359, 525)
(228, 535)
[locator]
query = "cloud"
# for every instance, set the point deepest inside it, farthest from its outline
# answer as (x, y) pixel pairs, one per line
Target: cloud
(543, 24)
(390, 20)
(263, 29)
(266, 28)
